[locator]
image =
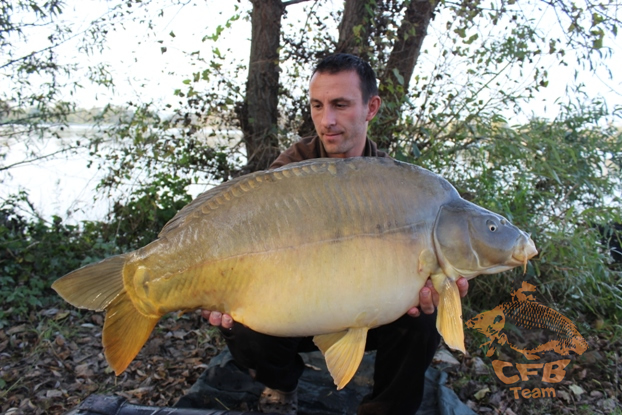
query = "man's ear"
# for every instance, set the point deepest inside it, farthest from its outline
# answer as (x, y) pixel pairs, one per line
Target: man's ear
(373, 106)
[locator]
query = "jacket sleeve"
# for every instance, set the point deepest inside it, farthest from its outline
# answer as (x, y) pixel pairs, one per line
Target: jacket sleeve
(305, 149)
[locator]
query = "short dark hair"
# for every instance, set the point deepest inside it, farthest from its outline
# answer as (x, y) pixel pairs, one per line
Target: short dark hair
(341, 62)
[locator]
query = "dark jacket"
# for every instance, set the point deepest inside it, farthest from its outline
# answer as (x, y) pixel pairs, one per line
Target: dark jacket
(312, 148)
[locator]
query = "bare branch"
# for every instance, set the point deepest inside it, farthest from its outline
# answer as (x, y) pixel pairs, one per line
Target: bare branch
(32, 160)
(290, 2)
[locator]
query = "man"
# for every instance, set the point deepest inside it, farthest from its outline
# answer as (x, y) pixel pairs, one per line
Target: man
(344, 99)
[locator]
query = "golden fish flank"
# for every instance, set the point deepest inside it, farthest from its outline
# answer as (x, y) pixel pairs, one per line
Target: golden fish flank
(354, 240)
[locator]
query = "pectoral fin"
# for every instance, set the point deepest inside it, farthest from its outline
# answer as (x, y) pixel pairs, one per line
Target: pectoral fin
(428, 264)
(449, 317)
(343, 352)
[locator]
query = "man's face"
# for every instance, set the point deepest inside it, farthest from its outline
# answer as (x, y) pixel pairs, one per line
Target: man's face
(339, 114)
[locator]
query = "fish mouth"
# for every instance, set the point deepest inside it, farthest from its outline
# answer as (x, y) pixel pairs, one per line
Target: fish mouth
(524, 252)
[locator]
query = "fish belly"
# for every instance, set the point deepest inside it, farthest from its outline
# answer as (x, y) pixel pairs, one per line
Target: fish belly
(309, 289)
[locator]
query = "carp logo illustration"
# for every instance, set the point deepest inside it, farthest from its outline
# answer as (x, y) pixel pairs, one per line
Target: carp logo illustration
(525, 312)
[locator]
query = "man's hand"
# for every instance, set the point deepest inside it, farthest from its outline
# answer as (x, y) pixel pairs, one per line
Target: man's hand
(216, 318)
(428, 297)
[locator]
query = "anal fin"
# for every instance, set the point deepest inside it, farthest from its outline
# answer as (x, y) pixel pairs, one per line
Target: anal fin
(449, 317)
(343, 352)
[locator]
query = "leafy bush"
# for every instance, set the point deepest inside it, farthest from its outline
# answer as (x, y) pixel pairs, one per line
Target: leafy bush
(137, 221)
(558, 180)
(34, 253)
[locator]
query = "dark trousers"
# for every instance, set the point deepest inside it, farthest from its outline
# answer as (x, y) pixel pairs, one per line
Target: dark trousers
(405, 349)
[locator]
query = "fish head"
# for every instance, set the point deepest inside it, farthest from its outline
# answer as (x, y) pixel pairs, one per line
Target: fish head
(470, 240)
(489, 323)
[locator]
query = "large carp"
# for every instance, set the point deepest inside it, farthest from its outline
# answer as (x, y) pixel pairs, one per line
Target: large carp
(327, 248)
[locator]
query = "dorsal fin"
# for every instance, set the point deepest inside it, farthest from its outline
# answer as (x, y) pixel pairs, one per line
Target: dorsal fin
(188, 210)
(243, 184)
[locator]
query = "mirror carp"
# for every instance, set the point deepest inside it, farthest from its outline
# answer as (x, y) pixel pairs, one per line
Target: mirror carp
(326, 248)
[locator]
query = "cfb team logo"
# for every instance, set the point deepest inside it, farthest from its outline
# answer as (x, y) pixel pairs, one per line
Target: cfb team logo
(524, 312)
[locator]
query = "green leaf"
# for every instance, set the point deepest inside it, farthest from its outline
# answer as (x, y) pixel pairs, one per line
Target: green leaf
(471, 39)
(398, 76)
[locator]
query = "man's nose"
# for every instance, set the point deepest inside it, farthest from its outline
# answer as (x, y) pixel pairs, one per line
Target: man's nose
(328, 117)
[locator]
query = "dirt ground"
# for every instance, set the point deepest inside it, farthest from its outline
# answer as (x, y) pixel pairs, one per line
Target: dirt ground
(53, 361)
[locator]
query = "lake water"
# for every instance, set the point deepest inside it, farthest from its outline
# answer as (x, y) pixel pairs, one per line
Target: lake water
(63, 185)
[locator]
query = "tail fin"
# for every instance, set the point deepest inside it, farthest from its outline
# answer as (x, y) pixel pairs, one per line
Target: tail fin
(93, 286)
(100, 287)
(125, 332)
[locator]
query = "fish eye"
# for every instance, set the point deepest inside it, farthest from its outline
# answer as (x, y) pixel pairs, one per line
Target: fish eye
(492, 227)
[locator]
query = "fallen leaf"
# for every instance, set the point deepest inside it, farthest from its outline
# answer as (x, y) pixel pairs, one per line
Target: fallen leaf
(53, 393)
(480, 367)
(17, 329)
(564, 395)
(59, 341)
(480, 394)
(577, 390)
(83, 370)
(49, 312)
(139, 392)
(444, 356)
(97, 319)
(61, 315)
(596, 394)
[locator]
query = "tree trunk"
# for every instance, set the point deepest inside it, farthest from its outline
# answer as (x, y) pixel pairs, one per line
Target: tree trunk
(258, 114)
(395, 80)
(355, 27)
(354, 31)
